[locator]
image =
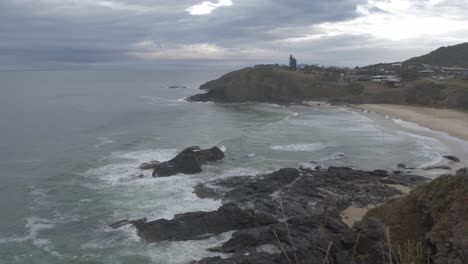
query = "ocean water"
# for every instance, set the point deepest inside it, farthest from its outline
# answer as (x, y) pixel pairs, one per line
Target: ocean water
(71, 142)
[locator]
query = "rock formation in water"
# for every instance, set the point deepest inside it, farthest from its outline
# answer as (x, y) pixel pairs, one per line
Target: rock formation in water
(189, 161)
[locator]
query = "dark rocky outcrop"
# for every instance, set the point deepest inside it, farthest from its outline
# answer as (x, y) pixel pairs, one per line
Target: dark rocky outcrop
(452, 158)
(189, 161)
(288, 216)
(194, 225)
(434, 216)
(177, 87)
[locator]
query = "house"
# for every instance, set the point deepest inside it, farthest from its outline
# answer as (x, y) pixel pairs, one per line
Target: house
(388, 80)
(426, 73)
(393, 82)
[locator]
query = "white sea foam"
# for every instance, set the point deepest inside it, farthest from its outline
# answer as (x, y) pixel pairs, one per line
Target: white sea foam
(240, 172)
(162, 252)
(300, 147)
(149, 197)
(35, 225)
(103, 141)
(333, 156)
(186, 251)
(292, 115)
(223, 148)
(182, 100)
(411, 125)
(39, 196)
(125, 167)
(428, 148)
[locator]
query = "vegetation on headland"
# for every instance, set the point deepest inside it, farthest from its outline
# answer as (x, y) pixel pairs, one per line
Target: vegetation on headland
(445, 56)
(408, 83)
(276, 84)
(433, 218)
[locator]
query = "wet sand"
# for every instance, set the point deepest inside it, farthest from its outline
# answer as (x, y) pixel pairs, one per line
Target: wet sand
(453, 122)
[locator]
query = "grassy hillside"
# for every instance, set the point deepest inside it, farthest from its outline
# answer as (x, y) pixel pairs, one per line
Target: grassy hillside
(445, 56)
(433, 215)
(270, 84)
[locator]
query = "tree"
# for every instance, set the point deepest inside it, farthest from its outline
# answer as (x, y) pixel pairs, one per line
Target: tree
(292, 63)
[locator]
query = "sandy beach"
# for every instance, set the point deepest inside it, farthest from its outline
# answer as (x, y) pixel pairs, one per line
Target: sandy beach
(453, 122)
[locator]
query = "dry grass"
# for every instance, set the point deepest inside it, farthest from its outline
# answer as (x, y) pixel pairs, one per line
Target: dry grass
(409, 252)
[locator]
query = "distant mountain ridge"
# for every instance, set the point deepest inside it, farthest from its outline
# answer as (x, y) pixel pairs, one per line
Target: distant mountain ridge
(449, 56)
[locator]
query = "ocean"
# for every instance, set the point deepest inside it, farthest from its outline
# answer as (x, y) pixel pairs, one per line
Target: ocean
(71, 142)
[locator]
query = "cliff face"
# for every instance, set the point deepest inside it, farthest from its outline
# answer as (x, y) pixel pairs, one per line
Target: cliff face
(434, 215)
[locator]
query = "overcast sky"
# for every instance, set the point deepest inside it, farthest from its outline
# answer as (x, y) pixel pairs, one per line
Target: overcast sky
(223, 33)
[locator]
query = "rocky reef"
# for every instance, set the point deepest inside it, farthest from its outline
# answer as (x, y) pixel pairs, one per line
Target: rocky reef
(319, 216)
(189, 161)
(289, 216)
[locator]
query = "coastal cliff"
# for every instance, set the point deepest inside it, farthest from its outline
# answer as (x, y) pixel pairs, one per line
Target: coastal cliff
(275, 84)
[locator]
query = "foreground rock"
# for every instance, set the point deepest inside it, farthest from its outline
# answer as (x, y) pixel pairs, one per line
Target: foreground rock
(194, 225)
(433, 216)
(189, 161)
(289, 216)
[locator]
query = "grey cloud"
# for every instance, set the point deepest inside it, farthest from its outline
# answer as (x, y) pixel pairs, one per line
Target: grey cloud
(85, 33)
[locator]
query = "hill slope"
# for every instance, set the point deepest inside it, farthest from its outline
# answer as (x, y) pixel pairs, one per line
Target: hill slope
(445, 56)
(434, 215)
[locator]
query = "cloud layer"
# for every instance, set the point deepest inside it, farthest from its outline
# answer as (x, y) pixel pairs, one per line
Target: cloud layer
(146, 33)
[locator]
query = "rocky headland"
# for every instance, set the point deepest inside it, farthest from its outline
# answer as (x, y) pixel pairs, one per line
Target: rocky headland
(275, 84)
(305, 216)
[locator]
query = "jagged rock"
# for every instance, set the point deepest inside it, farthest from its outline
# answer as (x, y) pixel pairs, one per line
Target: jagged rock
(121, 223)
(285, 215)
(452, 158)
(188, 161)
(441, 167)
(194, 225)
(380, 173)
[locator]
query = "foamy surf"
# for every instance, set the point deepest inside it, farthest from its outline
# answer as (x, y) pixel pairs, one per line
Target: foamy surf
(411, 125)
(123, 167)
(300, 147)
(35, 225)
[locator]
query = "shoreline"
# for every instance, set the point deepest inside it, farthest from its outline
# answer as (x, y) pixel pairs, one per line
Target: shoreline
(452, 122)
(450, 127)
